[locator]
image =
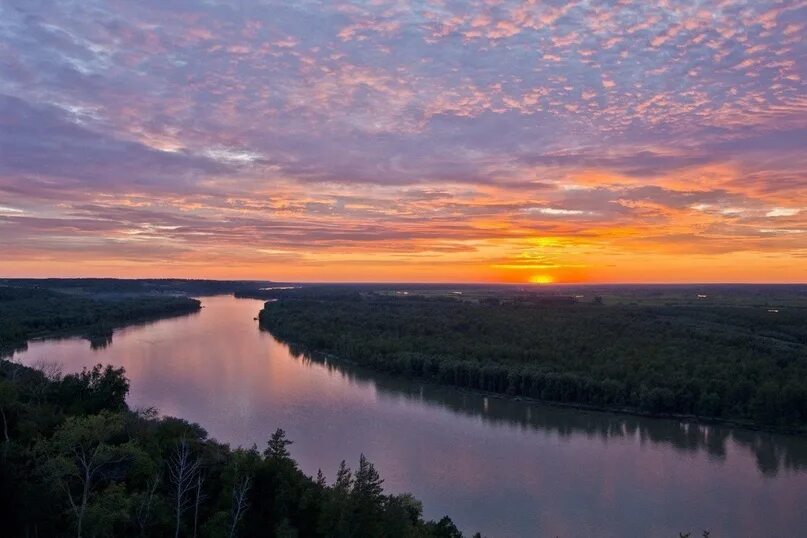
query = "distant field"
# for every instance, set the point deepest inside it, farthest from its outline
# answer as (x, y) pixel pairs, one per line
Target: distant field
(763, 295)
(736, 353)
(704, 295)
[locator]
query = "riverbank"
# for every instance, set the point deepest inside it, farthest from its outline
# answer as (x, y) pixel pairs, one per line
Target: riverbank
(28, 314)
(54, 426)
(320, 356)
(707, 365)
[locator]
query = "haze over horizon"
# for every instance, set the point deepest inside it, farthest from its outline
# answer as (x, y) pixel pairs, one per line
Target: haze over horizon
(431, 141)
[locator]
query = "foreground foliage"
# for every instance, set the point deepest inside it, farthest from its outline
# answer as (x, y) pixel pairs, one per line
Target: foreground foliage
(77, 462)
(742, 363)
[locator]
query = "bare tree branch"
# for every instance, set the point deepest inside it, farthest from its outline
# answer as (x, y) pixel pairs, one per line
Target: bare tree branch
(143, 512)
(182, 470)
(240, 491)
(200, 480)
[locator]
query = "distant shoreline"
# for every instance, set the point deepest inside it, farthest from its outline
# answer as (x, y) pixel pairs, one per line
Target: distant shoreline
(692, 419)
(730, 365)
(34, 314)
(83, 332)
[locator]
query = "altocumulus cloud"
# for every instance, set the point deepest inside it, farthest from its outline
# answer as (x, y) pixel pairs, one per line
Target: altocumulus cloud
(434, 131)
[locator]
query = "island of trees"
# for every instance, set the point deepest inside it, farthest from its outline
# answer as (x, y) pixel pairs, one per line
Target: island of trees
(734, 362)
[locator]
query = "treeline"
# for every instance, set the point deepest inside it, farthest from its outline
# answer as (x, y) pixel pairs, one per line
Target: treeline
(112, 286)
(30, 312)
(77, 462)
(740, 363)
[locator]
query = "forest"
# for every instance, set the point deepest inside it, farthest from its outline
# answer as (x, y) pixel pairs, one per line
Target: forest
(732, 362)
(124, 286)
(75, 461)
(32, 312)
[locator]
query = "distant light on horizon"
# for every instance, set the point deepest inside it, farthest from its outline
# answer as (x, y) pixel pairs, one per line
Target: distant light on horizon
(542, 279)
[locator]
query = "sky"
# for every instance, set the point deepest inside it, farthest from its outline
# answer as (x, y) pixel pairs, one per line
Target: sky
(385, 140)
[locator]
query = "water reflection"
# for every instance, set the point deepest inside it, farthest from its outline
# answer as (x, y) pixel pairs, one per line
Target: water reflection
(772, 451)
(501, 467)
(100, 341)
(98, 338)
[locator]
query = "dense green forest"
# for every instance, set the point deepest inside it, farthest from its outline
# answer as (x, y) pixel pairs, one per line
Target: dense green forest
(75, 461)
(151, 286)
(735, 362)
(31, 312)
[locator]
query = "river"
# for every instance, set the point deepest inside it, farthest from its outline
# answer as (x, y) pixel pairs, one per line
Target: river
(502, 467)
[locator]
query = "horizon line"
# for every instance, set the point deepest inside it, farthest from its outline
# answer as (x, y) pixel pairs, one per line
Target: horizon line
(424, 283)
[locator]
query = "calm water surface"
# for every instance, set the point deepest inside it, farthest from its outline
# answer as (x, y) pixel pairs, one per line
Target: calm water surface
(504, 468)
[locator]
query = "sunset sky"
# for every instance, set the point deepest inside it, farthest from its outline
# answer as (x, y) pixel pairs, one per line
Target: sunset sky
(432, 140)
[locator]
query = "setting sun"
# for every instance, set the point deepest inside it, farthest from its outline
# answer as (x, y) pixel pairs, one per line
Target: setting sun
(240, 147)
(541, 279)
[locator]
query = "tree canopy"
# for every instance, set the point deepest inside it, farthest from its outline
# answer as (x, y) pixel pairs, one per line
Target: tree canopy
(734, 362)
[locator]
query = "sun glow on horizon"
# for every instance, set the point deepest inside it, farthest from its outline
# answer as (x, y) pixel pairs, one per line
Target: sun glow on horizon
(355, 142)
(542, 279)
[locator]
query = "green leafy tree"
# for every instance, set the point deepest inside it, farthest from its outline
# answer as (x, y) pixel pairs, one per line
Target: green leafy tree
(444, 528)
(96, 389)
(109, 514)
(82, 454)
(9, 401)
(285, 530)
(368, 499)
(276, 447)
(335, 519)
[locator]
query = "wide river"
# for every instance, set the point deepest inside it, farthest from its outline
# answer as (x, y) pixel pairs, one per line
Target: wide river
(505, 468)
